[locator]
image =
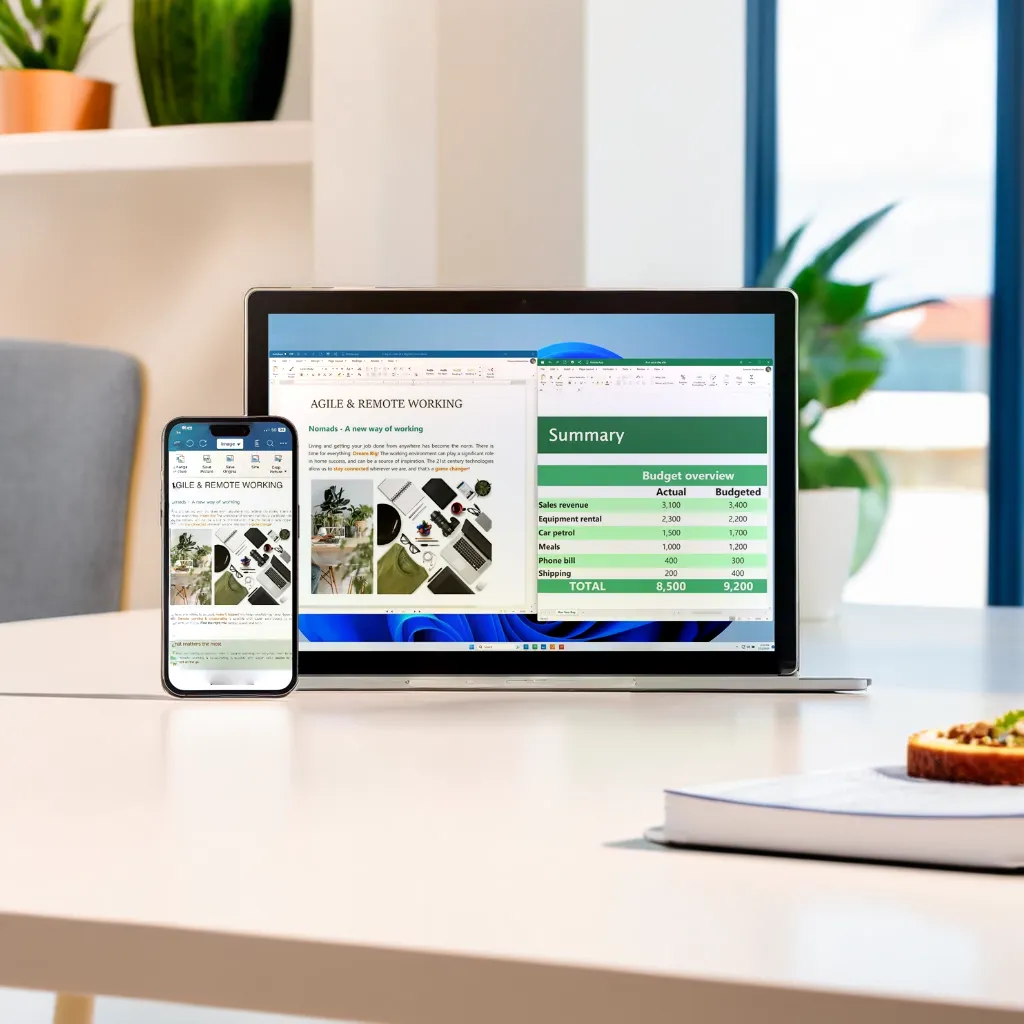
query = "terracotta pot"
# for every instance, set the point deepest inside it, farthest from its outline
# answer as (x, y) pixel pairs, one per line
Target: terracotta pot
(52, 101)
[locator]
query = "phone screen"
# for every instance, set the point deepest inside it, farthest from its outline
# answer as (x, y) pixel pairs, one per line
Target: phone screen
(229, 552)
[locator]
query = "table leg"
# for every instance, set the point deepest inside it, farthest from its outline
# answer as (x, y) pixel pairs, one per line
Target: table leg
(73, 1009)
(333, 582)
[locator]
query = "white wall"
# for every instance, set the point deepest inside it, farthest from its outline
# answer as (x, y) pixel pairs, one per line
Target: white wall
(374, 144)
(529, 143)
(665, 86)
(448, 141)
(510, 143)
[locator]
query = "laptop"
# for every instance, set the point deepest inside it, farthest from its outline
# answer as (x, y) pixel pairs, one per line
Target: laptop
(275, 578)
(469, 554)
(631, 457)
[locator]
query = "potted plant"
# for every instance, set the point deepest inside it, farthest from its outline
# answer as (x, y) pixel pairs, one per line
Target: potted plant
(41, 46)
(212, 60)
(358, 517)
(327, 514)
(844, 496)
(183, 553)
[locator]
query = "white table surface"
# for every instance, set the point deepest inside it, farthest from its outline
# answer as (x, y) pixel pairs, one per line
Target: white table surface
(449, 858)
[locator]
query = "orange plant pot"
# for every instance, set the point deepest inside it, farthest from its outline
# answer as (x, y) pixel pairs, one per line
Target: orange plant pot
(52, 101)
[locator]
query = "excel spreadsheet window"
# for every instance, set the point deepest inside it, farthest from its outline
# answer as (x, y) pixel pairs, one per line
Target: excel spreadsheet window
(653, 491)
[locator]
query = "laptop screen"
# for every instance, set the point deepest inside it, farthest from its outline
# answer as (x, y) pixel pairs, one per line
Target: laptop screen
(531, 481)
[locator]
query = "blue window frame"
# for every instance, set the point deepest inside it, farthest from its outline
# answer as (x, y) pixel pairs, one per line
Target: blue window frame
(1006, 439)
(1006, 409)
(762, 136)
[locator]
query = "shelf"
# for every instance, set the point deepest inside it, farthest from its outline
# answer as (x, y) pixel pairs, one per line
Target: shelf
(181, 147)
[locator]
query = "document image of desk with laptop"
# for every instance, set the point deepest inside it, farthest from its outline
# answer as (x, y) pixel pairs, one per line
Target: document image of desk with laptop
(436, 539)
(576, 477)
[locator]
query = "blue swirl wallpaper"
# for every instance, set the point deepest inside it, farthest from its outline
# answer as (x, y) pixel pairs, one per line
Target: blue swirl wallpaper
(427, 628)
(424, 628)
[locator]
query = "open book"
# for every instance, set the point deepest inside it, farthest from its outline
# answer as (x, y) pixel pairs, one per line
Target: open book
(863, 813)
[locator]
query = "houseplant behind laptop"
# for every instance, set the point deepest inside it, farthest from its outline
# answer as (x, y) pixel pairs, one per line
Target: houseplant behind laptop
(41, 44)
(844, 496)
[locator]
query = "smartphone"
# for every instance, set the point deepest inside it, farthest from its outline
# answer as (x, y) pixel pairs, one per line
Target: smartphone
(230, 608)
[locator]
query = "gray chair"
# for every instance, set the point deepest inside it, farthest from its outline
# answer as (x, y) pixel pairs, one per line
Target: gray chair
(68, 422)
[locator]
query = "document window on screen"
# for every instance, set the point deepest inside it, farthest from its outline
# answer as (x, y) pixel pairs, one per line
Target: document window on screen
(472, 481)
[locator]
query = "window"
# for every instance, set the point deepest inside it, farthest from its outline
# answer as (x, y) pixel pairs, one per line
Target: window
(882, 102)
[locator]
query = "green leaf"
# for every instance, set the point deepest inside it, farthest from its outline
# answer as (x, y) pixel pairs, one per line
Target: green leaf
(1008, 721)
(853, 368)
(842, 366)
(776, 263)
(65, 27)
(838, 471)
(33, 12)
(808, 390)
(832, 254)
(16, 40)
(87, 27)
(844, 303)
(819, 468)
(901, 308)
(850, 385)
(808, 285)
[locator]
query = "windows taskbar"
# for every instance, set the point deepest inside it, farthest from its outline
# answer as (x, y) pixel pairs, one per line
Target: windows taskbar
(563, 647)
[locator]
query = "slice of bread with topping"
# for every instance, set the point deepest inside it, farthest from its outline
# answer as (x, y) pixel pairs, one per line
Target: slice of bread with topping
(987, 753)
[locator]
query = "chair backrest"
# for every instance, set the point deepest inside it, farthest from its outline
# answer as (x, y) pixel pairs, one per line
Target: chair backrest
(68, 422)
